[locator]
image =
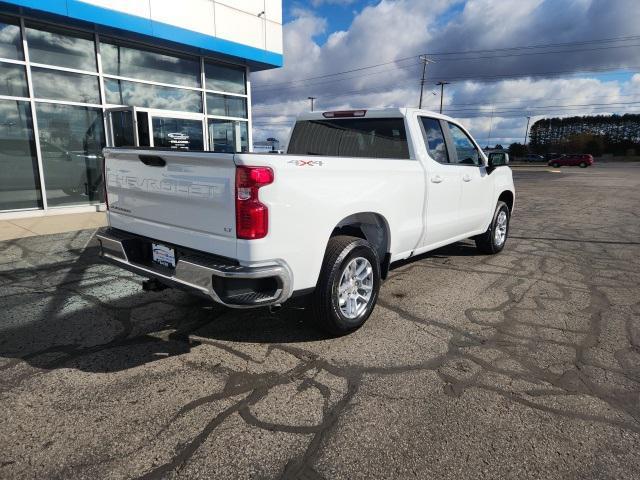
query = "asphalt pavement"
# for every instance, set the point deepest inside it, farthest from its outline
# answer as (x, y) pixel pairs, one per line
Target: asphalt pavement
(520, 365)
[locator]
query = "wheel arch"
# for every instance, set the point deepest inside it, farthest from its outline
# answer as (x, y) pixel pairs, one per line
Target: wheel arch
(507, 197)
(372, 227)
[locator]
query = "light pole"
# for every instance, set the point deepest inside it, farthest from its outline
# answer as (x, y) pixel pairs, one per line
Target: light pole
(526, 132)
(312, 99)
(442, 84)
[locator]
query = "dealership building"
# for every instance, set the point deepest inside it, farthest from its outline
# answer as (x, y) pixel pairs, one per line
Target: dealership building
(78, 75)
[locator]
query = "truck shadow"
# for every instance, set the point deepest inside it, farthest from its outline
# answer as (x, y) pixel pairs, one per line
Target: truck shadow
(67, 309)
(460, 249)
(70, 310)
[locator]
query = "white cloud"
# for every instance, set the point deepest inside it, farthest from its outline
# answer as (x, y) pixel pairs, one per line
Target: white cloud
(396, 29)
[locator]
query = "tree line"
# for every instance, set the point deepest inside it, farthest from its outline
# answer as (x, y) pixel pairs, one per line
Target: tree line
(598, 134)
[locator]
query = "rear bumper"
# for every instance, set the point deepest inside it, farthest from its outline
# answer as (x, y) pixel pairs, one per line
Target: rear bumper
(227, 282)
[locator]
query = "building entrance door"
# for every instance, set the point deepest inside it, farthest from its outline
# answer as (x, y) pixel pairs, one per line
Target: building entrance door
(138, 127)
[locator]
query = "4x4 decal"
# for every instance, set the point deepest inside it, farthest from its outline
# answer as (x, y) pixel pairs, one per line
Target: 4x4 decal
(306, 163)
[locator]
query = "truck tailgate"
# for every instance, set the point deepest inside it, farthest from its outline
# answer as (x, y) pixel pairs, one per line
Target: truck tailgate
(179, 197)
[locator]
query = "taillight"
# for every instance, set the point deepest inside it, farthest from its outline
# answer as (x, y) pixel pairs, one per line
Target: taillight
(104, 181)
(252, 216)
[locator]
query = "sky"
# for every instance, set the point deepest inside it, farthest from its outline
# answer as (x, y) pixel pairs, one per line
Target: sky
(505, 60)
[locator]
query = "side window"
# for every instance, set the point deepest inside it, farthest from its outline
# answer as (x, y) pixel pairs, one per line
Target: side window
(434, 140)
(466, 150)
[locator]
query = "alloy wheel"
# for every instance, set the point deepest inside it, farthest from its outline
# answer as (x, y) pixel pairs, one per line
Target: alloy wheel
(355, 287)
(500, 234)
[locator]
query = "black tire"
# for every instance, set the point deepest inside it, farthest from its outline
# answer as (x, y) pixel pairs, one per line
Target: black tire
(555, 165)
(486, 242)
(325, 305)
(583, 164)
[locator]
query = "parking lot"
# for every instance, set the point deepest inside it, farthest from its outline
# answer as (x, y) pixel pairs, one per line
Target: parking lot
(521, 365)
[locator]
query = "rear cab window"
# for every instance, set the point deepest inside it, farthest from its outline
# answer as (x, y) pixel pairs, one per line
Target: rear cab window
(384, 138)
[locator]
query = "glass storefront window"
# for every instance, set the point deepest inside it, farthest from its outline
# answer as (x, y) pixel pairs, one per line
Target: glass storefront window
(13, 80)
(58, 47)
(178, 133)
(225, 134)
(63, 69)
(59, 85)
(122, 92)
(226, 105)
(71, 142)
(224, 78)
(10, 39)
(151, 66)
(19, 184)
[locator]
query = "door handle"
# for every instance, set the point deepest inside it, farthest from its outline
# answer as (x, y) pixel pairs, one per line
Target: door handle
(437, 179)
(466, 178)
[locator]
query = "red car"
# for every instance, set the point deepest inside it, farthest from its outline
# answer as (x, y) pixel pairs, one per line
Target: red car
(573, 160)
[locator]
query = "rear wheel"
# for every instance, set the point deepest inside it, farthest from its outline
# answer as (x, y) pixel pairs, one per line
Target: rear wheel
(583, 164)
(555, 165)
(348, 286)
(493, 240)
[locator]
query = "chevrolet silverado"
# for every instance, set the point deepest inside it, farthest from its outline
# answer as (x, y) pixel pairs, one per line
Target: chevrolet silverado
(356, 191)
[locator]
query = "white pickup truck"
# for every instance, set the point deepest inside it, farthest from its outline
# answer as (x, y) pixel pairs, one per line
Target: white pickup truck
(356, 191)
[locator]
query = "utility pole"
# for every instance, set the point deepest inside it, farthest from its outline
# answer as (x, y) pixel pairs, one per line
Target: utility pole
(490, 128)
(312, 99)
(442, 84)
(526, 131)
(425, 60)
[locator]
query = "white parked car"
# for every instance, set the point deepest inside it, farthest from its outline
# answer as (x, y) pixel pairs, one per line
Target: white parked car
(356, 191)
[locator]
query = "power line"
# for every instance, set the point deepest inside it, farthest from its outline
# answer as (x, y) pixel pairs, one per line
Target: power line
(510, 115)
(471, 76)
(384, 89)
(324, 82)
(467, 52)
(541, 45)
(522, 112)
(536, 53)
(551, 108)
(480, 114)
(538, 74)
(546, 99)
(525, 107)
(545, 113)
(486, 103)
(551, 114)
(505, 110)
(413, 57)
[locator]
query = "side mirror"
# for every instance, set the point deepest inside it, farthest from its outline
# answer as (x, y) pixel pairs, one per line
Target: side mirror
(498, 159)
